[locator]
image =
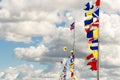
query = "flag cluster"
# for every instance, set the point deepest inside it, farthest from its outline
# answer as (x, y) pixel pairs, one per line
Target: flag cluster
(71, 65)
(64, 71)
(91, 27)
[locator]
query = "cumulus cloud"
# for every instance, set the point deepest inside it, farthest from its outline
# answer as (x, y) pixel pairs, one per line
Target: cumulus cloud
(31, 52)
(24, 31)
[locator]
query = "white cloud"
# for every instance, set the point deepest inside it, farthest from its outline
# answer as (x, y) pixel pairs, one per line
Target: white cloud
(26, 72)
(32, 53)
(23, 32)
(110, 6)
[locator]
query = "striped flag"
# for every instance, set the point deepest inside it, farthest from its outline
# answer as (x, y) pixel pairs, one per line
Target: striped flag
(72, 26)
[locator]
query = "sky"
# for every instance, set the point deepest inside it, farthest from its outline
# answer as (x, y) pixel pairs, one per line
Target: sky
(33, 32)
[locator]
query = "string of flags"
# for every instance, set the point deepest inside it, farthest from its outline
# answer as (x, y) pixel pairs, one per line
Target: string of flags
(72, 59)
(64, 72)
(69, 65)
(92, 27)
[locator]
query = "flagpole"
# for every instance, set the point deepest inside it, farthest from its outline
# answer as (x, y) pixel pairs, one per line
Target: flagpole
(98, 65)
(74, 44)
(74, 38)
(99, 48)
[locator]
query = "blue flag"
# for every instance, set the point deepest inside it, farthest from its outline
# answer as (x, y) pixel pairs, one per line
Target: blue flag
(95, 41)
(88, 6)
(90, 34)
(94, 47)
(96, 13)
(87, 22)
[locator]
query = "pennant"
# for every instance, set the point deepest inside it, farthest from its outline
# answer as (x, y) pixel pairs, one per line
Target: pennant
(64, 48)
(97, 3)
(92, 55)
(93, 64)
(72, 26)
(89, 56)
(88, 22)
(88, 6)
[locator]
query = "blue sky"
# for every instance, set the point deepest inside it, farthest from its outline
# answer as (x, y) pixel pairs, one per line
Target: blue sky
(7, 54)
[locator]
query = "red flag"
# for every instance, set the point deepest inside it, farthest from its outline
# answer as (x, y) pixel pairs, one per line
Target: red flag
(97, 3)
(90, 40)
(89, 56)
(93, 64)
(96, 23)
(72, 74)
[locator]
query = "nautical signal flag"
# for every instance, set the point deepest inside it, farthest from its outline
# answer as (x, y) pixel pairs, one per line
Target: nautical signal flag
(88, 22)
(89, 13)
(96, 23)
(89, 56)
(88, 6)
(93, 64)
(72, 26)
(97, 3)
(64, 48)
(72, 51)
(92, 55)
(96, 13)
(93, 34)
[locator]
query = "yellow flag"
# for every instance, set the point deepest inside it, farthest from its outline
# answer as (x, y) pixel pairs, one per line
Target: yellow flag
(71, 69)
(95, 33)
(64, 48)
(89, 17)
(95, 54)
(89, 13)
(72, 51)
